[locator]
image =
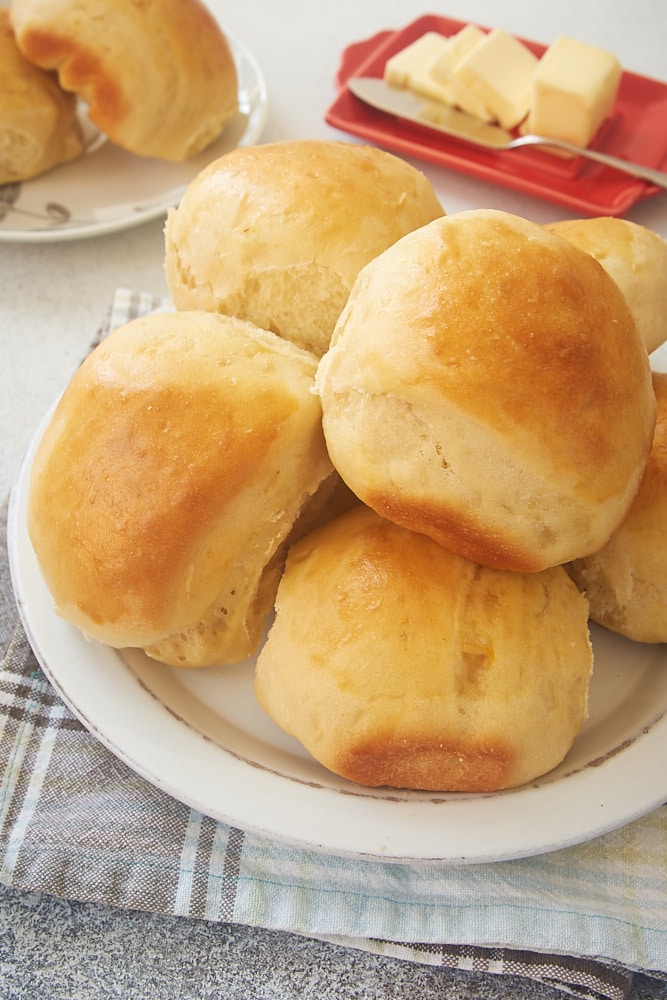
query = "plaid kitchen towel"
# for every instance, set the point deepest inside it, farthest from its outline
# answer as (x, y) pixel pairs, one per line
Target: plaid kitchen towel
(76, 822)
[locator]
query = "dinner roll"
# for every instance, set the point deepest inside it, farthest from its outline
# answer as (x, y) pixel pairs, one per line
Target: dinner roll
(167, 480)
(277, 233)
(396, 662)
(626, 581)
(39, 127)
(486, 386)
(158, 76)
(636, 258)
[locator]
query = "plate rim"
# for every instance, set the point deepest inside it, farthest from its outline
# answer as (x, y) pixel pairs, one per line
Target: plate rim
(132, 218)
(379, 828)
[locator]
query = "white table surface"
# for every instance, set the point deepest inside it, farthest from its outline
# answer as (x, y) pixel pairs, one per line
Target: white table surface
(53, 296)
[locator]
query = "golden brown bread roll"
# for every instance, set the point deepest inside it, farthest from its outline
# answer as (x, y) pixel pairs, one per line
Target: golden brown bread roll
(158, 76)
(486, 386)
(396, 662)
(39, 128)
(277, 233)
(169, 477)
(626, 581)
(636, 258)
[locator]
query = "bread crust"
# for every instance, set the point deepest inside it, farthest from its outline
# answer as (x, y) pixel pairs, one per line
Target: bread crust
(158, 76)
(486, 385)
(396, 662)
(167, 480)
(626, 580)
(39, 127)
(636, 258)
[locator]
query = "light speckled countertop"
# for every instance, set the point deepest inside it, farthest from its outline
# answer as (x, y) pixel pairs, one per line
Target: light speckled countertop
(52, 299)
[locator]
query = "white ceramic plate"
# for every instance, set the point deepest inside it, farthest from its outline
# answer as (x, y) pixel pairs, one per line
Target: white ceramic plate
(109, 189)
(201, 736)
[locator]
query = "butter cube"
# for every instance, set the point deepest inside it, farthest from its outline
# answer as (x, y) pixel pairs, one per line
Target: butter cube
(499, 71)
(574, 90)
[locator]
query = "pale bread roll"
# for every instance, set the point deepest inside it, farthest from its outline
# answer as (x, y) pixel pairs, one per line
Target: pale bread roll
(636, 258)
(39, 128)
(396, 662)
(158, 77)
(486, 385)
(171, 473)
(626, 581)
(277, 233)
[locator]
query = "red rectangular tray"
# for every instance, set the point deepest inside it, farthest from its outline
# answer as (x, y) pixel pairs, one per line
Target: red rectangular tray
(637, 130)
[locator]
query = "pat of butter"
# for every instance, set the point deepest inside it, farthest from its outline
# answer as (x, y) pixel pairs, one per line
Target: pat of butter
(443, 67)
(412, 68)
(409, 67)
(499, 71)
(461, 97)
(456, 47)
(574, 91)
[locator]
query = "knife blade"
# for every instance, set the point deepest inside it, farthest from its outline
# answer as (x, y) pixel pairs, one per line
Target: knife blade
(403, 103)
(456, 124)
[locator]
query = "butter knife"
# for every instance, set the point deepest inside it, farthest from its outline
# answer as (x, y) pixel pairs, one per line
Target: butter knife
(403, 103)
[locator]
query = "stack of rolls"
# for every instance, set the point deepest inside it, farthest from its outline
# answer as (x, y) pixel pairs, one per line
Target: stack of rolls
(399, 429)
(487, 396)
